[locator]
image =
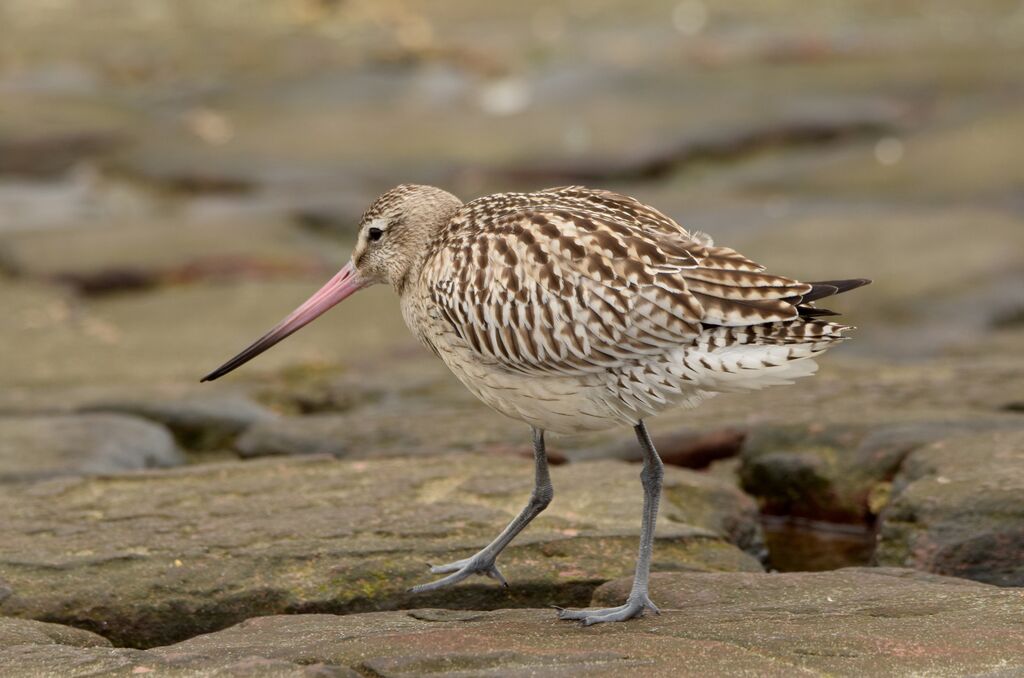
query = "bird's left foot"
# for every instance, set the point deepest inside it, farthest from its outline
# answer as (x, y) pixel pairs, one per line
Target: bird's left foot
(634, 607)
(461, 569)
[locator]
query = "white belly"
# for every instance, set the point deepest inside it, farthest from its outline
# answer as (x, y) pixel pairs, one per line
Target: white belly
(557, 404)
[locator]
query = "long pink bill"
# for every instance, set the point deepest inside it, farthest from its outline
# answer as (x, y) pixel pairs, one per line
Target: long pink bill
(343, 285)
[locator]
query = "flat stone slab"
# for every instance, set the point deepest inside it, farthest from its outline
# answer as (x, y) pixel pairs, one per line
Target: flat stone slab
(40, 446)
(849, 622)
(154, 557)
(853, 622)
(958, 509)
(31, 632)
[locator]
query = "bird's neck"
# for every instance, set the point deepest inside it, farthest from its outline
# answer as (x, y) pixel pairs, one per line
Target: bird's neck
(424, 244)
(407, 282)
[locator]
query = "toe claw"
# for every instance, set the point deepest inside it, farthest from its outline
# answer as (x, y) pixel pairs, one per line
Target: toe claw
(459, 570)
(571, 615)
(494, 573)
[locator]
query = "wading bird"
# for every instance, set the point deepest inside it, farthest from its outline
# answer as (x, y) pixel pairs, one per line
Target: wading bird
(574, 309)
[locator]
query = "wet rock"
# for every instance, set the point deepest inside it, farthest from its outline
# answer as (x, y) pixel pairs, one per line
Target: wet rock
(852, 622)
(155, 557)
(838, 472)
(958, 509)
(198, 422)
(30, 632)
(803, 545)
(41, 446)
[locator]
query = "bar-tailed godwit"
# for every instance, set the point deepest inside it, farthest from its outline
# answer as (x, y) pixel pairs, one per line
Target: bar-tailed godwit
(573, 309)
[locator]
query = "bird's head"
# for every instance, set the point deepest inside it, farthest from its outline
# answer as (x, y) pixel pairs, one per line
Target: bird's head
(390, 247)
(395, 230)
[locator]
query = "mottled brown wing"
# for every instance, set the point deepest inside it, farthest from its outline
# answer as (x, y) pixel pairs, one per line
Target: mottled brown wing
(562, 289)
(734, 292)
(622, 208)
(731, 289)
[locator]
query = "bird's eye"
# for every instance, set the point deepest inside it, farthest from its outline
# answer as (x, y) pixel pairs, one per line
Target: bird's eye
(374, 234)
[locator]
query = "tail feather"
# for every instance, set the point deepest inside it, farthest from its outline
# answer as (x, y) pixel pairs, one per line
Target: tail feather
(828, 288)
(819, 290)
(813, 312)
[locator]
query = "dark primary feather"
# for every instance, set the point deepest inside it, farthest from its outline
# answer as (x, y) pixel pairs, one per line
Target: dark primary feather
(828, 288)
(812, 312)
(820, 290)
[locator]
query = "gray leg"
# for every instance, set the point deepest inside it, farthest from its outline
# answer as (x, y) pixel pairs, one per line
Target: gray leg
(638, 601)
(483, 561)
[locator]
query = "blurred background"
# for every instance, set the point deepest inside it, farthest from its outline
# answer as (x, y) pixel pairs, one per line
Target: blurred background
(176, 175)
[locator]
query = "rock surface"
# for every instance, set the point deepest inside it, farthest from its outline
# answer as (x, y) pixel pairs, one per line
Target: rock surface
(391, 430)
(30, 632)
(852, 622)
(312, 434)
(151, 558)
(199, 423)
(958, 509)
(42, 446)
(839, 472)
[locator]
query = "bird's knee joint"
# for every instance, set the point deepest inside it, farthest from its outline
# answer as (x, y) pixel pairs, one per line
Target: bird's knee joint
(541, 497)
(652, 475)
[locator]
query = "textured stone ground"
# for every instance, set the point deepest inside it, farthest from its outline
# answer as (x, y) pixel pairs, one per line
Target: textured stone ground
(155, 557)
(852, 622)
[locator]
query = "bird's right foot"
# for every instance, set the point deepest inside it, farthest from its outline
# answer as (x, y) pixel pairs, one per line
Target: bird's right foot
(634, 607)
(481, 564)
